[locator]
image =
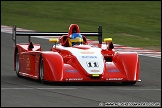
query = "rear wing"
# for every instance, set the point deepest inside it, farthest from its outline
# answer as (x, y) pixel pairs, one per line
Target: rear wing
(29, 34)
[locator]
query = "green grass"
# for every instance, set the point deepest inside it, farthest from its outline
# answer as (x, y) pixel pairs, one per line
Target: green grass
(130, 23)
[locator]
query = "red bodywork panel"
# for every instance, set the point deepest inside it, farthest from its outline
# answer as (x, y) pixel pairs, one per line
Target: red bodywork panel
(64, 64)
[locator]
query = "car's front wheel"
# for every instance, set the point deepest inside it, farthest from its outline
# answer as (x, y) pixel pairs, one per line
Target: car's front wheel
(129, 83)
(41, 71)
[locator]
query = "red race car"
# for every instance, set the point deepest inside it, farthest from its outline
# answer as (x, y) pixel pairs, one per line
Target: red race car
(73, 59)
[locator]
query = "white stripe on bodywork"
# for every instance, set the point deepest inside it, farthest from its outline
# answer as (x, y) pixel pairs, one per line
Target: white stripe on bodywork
(87, 57)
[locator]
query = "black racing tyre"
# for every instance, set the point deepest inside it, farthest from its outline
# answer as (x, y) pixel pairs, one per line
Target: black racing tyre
(129, 83)
(17, 65)
(41, 71)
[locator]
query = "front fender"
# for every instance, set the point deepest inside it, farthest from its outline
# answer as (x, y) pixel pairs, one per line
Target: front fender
(53, 66)
(128, 62)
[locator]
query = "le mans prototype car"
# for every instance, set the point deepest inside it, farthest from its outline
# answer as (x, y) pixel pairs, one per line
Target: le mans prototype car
(69, 62)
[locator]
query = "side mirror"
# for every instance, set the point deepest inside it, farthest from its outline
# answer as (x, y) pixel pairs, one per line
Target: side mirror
(53, 40)
(107, 40)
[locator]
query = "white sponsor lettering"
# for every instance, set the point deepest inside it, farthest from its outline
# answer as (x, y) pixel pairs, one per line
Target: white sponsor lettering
(114, 78)
(74, 79)
(89, 57)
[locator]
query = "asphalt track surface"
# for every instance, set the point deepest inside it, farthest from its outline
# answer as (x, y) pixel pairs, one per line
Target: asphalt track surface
(25, 92)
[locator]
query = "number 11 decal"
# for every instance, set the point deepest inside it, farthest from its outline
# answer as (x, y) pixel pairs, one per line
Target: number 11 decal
(92, 64)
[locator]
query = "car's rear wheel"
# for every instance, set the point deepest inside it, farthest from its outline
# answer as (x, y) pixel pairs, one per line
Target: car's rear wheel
(17, 64)
(41, 71)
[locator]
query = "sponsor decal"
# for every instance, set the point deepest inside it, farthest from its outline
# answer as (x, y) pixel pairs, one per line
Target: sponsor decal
(74, 79)
(95, 75)
(114, 78)
(87, 52)
(71, 70)
(87, 57)
(114, 70)
(28, 68)
(95, 71)
(28, 64)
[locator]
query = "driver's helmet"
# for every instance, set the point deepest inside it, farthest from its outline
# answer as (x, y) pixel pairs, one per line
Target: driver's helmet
(75, 39)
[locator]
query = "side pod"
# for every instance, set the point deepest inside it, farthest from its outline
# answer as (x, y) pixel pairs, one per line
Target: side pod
(53, 66)
(128, 62)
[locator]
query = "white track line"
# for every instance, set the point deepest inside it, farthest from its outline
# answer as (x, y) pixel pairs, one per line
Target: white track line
(35, 88)
(143, 89)
(75, 88)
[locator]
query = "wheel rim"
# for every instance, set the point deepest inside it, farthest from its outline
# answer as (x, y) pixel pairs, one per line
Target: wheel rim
(17, 64)
(41, 71)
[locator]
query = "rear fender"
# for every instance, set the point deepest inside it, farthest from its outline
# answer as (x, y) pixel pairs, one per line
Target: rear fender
(53, 66)
(24, 48)
(128, 62)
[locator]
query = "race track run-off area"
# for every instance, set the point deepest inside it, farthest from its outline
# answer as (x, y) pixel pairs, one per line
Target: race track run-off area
(141, 51)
